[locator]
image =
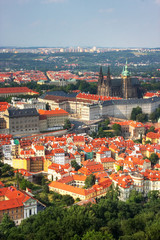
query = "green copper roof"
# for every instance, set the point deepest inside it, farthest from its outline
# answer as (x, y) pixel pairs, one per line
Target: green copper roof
(125, 71)
(16, 141)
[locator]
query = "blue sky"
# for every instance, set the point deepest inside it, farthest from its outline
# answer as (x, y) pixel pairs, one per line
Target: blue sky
(101, 23)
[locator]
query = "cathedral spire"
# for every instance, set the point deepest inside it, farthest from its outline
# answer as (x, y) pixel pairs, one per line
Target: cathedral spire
(126, 66)
(108, 73)
(125, 72)
(100, 79)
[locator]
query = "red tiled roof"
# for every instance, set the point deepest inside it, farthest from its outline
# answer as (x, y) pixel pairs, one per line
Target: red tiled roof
(94, 97)
(16, 90)
(72, 189)
(57, 111)
(109, 159)
(38, 148)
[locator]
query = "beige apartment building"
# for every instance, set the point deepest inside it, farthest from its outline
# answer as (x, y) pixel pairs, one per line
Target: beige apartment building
(49, 119)
(22, 121)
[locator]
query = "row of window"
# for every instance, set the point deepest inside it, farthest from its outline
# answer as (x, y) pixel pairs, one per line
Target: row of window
(24, 130)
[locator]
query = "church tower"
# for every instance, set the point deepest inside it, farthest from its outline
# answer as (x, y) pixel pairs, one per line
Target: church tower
(108, 84)
(100, 81)
(126, 86)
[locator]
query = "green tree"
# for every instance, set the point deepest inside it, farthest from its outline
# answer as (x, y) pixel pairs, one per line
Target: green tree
(67, 124)
(151, 129)
(90, 181)
(48, 106)
(154, 158)
(6, 168)
(142, 117)
(135, 112)
(68, 200)
(135, 197)
(153, 117)
(101, 132)
(153, 195)
(83, 86)
(93, 235)
(117, 129)
(75, 165)
(93, 134)
(6, 225)
(45, 188)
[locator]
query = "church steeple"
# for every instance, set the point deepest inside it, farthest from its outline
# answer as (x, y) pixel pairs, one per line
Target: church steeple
(108, 73)
(127, 86)
(100, 79)
(125, 72)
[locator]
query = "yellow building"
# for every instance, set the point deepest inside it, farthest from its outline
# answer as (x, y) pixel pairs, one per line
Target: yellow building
(153, 137)
(21, 163)
(47, 163)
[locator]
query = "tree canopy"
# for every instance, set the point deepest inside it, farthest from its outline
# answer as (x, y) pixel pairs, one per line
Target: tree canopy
(109, 219)
(90, 181)
(117, 129)
(153, 158)
(67, 124)
(135, 112)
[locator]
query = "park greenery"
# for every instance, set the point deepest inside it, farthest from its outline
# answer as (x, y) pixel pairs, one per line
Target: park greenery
(154, 159)
(90, 181)
(67, 124)
(106, 130)
(117, 129)
(75, 165)
(138, 115)
(6, 170)
(155, 115)
(109, 219)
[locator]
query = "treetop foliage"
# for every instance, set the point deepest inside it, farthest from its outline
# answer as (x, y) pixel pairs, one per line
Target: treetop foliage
(110, 219)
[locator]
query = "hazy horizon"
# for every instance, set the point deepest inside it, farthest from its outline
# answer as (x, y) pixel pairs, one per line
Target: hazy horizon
(62, 23)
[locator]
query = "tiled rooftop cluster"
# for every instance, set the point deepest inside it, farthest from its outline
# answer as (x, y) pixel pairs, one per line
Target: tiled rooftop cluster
(18, 204)
(17, 90)
(151, 94)
(22, 76)
(124, 159)
(67, 75)
(94, 97)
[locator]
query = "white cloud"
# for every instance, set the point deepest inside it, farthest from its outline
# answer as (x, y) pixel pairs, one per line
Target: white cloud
(157, 1)
(107, 10)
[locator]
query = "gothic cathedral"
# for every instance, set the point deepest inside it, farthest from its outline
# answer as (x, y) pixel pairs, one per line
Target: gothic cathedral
(125, 86)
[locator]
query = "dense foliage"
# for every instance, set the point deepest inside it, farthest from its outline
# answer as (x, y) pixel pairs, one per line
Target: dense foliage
(90, 181)
(117, 129)
(155, 115)
(75, 165)
(67, 124)
(103, 130)
(137, 115)
(109, 219)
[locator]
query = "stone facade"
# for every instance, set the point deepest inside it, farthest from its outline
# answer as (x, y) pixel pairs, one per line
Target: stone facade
(22, 121)
(122, 108)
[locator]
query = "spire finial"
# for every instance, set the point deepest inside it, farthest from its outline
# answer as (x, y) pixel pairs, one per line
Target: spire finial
(126, 66)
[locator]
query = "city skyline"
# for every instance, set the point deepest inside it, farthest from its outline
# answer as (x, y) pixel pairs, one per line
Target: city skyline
(66, 23)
